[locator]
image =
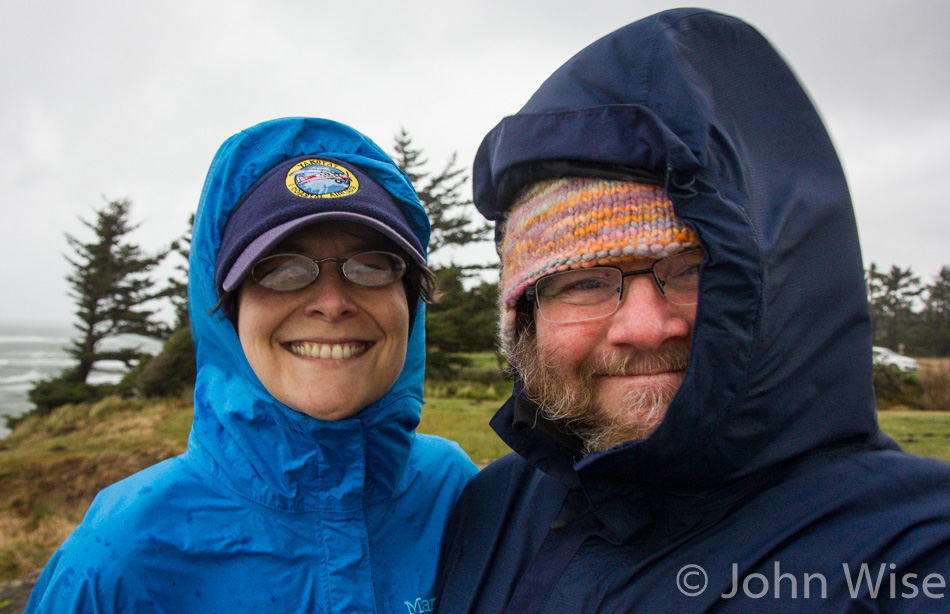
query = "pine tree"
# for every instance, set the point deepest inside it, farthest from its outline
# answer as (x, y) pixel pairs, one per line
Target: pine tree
(173, 369)
(440, 194)
(462, 320)
(110, 283)
(892, 297)
(177, 290)
(937, 314)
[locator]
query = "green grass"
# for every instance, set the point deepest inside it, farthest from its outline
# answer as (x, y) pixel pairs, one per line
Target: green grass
(52, 466)
(461, 408)
(466, 422)
(483, 362)
(918, 432)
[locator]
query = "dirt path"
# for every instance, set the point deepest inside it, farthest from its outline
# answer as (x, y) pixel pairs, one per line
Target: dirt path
(14, 594)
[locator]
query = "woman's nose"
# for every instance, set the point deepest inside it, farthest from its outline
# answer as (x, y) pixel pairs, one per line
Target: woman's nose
(329, 295)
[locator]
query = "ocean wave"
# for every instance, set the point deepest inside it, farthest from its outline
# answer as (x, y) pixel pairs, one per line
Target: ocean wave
(20, 389)
(55, 361)
(33, 339)
(24, 378)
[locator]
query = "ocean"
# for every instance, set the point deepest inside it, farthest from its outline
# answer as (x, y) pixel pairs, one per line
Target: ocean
(29, 353)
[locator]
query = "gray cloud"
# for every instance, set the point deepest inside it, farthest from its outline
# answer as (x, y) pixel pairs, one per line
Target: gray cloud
(117, 99)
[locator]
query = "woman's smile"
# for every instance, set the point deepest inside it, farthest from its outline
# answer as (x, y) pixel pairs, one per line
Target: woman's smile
(334, 351)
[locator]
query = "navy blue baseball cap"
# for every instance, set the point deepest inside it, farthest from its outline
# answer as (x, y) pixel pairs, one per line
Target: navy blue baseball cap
(299, 192)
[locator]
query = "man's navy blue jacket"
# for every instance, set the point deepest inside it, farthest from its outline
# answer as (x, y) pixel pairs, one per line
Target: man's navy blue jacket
(769, 469)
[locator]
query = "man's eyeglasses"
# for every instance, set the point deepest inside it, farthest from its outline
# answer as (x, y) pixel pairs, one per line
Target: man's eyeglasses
(592, 293)
(288, 272)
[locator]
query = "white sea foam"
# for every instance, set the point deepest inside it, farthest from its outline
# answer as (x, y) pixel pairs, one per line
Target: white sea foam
(26, 378)
(58, 361)
(29, 339)
(19, 389)
(32, 353)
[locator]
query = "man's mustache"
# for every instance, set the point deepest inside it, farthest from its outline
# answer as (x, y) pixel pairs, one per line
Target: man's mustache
(667, 358)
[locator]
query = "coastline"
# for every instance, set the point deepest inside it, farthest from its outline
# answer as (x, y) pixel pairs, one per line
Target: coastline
(30, 352)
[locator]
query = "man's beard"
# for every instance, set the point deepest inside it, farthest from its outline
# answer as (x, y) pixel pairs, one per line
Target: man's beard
(569, 397)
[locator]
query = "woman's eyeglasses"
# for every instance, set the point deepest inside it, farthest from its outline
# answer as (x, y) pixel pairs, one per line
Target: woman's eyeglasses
(288, 272)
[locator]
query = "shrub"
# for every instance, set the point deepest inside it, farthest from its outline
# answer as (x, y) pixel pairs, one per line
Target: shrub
(935, 379)
(49, 394)
(128, 386)
(476, 376)
(894, 387)
(469, 390)
(444, 365)
(172, 370)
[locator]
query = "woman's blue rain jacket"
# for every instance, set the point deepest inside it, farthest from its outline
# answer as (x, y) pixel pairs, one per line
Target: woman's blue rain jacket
(769, 465)
(270, 510)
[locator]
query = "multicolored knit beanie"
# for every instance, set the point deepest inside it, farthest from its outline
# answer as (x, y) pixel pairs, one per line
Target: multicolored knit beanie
(574, 222)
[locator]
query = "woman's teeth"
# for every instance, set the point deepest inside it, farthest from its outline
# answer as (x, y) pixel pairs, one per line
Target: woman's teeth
(334, 351)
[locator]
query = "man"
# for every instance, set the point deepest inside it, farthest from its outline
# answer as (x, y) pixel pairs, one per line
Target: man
(684, 307)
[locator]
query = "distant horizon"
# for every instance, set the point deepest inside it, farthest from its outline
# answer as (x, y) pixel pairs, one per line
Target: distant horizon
(10, 328)
(20, 323)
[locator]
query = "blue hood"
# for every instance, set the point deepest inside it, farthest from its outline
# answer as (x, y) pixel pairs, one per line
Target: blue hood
(781, 355)
(239, 428)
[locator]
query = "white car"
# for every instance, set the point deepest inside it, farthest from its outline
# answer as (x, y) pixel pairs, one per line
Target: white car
(884, 356)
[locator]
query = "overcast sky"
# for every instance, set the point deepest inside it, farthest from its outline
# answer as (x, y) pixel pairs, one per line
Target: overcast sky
(107, 99)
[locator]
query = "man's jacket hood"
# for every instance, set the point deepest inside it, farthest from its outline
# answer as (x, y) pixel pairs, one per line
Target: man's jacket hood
(769, 464)
(780, 365)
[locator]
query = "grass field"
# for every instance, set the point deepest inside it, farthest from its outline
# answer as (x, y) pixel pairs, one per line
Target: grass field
(466, 422)
(918, 432)
(52, 466)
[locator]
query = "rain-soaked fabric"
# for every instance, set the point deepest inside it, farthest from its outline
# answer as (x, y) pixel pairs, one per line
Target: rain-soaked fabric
(769, 469)
(270, 510)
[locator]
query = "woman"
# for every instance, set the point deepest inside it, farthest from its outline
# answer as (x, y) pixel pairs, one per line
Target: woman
(304, 487)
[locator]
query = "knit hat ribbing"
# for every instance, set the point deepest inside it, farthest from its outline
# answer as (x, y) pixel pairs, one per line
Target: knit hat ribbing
(574, 222)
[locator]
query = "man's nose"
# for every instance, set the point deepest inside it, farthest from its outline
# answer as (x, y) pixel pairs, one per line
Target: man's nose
(645, 319)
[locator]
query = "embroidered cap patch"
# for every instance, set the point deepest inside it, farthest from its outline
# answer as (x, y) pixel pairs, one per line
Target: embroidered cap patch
(315, 178)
